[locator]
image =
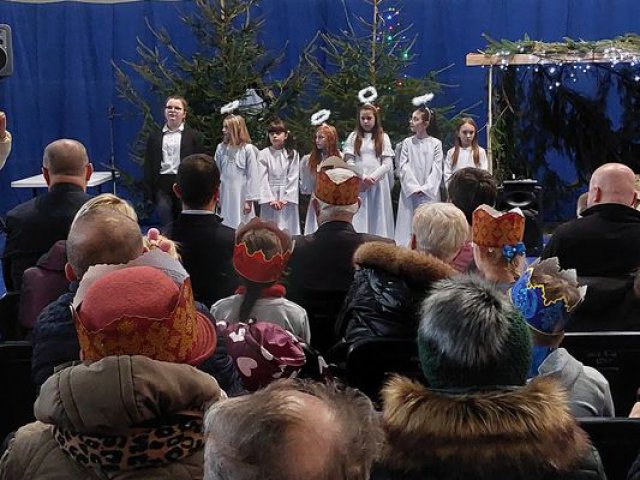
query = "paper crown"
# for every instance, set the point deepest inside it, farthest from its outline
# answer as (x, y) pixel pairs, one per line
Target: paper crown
(256, 267)
(491, 228)
(545, 312)
(141, 311)
(337, 183)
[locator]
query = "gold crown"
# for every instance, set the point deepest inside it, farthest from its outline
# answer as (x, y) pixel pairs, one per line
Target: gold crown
(491, 228)
(337, 192)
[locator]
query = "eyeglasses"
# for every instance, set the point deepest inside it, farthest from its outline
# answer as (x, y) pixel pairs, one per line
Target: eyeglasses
(171, 107)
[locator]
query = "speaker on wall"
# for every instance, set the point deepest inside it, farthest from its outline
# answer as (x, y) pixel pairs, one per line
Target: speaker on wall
(6, 51)
(526, 195)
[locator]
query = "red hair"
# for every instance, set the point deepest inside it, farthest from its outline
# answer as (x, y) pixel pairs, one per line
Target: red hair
(331, 135)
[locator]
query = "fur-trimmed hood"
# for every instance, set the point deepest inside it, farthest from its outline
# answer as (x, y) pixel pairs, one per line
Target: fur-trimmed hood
(524, 430)
(415, 267)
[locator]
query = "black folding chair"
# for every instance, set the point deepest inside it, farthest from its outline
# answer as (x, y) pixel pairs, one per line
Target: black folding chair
(614, 354)
(18, 392)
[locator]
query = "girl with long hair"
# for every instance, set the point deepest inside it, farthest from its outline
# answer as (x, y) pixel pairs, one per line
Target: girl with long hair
(325, 145)
(369, 149)
(239, 173)
(465, 152)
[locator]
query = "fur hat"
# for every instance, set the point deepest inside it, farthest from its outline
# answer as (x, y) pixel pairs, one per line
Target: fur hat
(140, 310)
(470, 336)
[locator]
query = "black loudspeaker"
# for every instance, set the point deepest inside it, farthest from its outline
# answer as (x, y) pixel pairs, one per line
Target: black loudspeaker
(526, 195)
(6, 51)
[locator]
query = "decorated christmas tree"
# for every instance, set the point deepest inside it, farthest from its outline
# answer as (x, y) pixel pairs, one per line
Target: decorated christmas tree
(376, 51)
(228, 63)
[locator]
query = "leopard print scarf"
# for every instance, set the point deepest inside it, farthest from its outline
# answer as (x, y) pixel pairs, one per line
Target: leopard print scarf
(141, 448)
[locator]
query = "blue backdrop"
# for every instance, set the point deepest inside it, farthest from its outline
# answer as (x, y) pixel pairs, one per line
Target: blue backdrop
(63, 84)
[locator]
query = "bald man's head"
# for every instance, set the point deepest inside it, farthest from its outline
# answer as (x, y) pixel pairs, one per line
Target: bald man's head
(292, 430)
(66, 161)
(612, 183)
(102, 236)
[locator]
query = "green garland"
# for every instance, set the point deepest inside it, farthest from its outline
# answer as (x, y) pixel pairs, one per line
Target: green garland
(626, 46)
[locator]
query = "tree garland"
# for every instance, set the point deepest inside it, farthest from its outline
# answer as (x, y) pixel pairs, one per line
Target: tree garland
(576, 99)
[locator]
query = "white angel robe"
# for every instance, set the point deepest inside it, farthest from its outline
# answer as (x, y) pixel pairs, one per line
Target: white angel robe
(280, 181)
(239, 182)
(308, 187)
(375, 215)
(419, 169)
(465, 159)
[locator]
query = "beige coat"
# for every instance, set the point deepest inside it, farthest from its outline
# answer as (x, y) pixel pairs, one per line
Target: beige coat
(105, 398)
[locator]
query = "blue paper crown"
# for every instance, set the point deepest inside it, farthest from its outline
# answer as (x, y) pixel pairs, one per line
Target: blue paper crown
(545, 315)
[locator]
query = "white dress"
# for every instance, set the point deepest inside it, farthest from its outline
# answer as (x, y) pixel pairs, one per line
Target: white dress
(419, 170)
(465, 159)
(239, 182)
(280, 181)
(375, 215)
(308, 187)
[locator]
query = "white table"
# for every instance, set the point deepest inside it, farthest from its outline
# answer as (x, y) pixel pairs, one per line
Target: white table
(37, 181)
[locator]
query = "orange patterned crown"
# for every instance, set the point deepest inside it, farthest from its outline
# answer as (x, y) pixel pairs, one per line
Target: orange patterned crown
(337, 183)
(491, 228)
(141, 311)
(256, 267)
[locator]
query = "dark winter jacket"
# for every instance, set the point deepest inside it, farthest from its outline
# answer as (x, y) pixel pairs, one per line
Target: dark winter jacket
(55, 342)
(522, 434)
(389, 284)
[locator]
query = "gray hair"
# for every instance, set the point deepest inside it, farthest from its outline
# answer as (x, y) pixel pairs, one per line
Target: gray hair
(440, 229)
(328, 211)
(247, 438)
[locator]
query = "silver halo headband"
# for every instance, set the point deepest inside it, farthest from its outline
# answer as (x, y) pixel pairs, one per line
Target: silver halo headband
(320, 117)
(422, 100)
(230, 107)
(368, 95)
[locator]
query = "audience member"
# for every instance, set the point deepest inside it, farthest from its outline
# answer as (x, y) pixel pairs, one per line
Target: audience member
(478, 418)
(546, 296)
(46, 281)
(440, 229)
(206, 245)
(99, 236)
(134, 407)
(34, 226)
(5, 140)
(292, 431)
(321, 267)
(106, 237)
(498, 250)
(165, 150)
(468, 189)
(391, 281)
(605, 242)
(260, 255)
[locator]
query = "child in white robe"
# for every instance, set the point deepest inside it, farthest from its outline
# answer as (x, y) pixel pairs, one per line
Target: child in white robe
(369, 149)
(419, 171)
(239, 172)
(279, 185)
(466, 151)
(324, 146)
